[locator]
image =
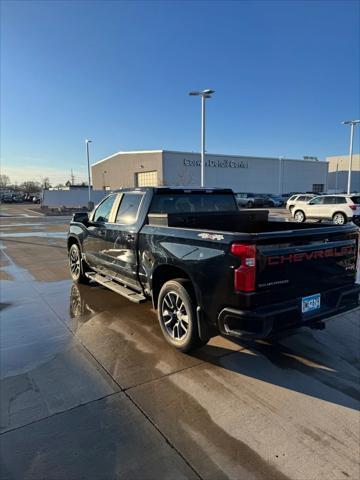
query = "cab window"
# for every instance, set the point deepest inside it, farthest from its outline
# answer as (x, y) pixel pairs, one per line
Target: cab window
(129, 208)
(102, 213)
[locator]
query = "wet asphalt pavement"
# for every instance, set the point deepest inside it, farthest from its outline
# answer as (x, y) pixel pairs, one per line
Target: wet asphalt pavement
(89, 388)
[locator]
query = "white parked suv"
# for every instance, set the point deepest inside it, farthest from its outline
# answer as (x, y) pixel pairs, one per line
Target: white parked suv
(338, 208)
(298, 198)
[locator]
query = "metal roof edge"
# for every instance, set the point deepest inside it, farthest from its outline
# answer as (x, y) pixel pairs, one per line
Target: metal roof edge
(125, 153)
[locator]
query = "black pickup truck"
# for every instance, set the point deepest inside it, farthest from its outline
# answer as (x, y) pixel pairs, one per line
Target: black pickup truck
(210, 267)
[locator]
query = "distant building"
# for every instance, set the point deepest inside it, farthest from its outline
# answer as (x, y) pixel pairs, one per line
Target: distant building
(339, 170)
(241, 173)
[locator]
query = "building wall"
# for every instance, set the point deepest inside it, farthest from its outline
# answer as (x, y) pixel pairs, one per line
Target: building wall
(338, 173)
(120, 169)
(246, 174)
(72, 198)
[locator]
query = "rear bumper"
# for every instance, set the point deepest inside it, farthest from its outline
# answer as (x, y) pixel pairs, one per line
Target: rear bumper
(266, 321)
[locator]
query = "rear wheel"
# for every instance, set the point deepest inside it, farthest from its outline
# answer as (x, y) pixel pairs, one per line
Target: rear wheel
(339, 218)
(177, 315)
(76, 265)
(299, 216)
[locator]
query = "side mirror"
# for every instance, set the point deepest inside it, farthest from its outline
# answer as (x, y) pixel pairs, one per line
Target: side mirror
(311, 203)
(80, 217)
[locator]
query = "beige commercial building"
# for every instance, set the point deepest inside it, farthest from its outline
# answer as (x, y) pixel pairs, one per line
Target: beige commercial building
(339, 171)
(241, 173)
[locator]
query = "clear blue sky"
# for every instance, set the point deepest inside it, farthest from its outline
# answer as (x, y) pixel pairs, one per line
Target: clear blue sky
(285, 74)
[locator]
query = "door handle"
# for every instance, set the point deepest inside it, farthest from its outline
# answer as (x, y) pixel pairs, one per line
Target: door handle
(102, 232)
(130, 236)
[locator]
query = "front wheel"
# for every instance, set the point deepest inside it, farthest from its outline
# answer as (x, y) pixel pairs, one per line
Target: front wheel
(177, 315)
(299, 216)
(339, 218)
(76, 266)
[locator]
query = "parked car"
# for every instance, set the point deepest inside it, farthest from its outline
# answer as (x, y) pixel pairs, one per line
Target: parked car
(209, 267)
(298, 198)
(18, 198)
(249, 200)
(7, 198)
(338, 208)
(271, 200)
(286, 196)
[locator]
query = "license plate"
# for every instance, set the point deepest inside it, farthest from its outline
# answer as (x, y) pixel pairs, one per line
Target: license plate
(308, 304)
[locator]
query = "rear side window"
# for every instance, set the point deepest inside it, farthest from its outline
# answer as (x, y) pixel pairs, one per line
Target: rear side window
(193, 202)
(129, 208)
(102, 213)
(329, 200)
(356, 200)
(293, 197)
(340, 200)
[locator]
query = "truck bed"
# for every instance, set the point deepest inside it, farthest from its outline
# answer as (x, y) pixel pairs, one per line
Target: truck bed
(243, 221)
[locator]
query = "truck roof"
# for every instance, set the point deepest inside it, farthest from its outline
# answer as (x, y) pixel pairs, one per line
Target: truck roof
(182, 189)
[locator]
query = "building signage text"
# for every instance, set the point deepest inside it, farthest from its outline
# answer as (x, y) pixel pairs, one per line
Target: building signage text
(224, 163)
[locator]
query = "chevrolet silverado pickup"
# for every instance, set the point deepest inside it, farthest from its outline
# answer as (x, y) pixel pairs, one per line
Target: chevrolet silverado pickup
(209, 267)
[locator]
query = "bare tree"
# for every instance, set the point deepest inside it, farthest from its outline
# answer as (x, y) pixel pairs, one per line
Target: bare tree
(45, 181)
(30, 187)
(4, 181)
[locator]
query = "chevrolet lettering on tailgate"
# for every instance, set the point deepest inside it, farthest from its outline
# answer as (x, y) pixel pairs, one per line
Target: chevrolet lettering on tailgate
(313, 255)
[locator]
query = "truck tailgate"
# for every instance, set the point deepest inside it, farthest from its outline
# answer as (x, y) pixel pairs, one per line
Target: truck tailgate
(311, 262)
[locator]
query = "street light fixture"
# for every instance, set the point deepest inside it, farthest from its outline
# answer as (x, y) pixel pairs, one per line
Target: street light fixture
(88, 162)
(204, 95)
(352, 124)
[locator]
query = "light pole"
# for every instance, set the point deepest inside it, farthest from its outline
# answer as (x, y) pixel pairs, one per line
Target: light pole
(88, 162)
(204, 95)
(280, 174)
(103, 175)
(352, 124)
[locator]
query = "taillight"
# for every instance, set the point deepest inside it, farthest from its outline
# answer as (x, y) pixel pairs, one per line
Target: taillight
(353, 207)
(244, 276)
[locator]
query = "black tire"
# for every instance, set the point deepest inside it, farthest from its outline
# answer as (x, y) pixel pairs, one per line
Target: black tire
(299, 216)
(339, 218)
(175, 303)
(77, 266)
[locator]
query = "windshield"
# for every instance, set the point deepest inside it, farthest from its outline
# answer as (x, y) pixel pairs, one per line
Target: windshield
(193, 202)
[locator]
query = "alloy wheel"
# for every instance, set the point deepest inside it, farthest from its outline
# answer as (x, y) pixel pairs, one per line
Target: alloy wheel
(299, 216)
(175, 316)
(74, 260)
(339, 219)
